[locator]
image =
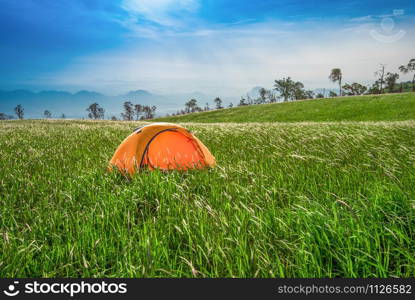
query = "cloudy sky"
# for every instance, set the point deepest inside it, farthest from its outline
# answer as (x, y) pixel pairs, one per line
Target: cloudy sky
(223, 47)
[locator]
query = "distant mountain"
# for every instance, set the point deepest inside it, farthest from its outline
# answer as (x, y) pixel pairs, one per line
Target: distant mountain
(58, 102)
(74, 105)
(137, 93)
(16, 93)
(146, 98)
(88, 94)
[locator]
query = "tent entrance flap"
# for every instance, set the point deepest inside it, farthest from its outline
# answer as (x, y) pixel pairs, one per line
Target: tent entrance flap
(173, 150)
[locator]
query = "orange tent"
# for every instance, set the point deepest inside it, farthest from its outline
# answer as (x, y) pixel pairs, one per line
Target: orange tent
(162, 146)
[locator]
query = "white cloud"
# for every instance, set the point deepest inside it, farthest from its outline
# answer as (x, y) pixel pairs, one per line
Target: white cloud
(367, 18)
(231, 60)
(162, 12)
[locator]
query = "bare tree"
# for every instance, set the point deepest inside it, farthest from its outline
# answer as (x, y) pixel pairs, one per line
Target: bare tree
(381, 77)
(138, 108)
(149, 112)
(128, 113)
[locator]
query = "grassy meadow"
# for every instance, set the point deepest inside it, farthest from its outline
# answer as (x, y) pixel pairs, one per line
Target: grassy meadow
(386, 107)
(309, 199)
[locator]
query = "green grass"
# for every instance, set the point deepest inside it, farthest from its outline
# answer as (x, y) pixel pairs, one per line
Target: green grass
(286, 200)
(396, 107)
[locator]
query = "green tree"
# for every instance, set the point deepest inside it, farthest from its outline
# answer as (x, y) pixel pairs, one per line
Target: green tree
(374, 89)
(95, 111)
(19, 111)
(319, 96)
(309, 94)
(336, 76)
(218, 102)
(354, 89)
(191, 106)
(301, 94)
(390, 80)
(263, 93)
(298, 92)
(47, 114)
(290, 90)
(409, 68)
(285, 87)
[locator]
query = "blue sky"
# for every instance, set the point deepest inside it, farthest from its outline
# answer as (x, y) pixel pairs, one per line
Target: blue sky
(212, 46)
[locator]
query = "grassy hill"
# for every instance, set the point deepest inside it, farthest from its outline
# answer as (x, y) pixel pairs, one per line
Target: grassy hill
(389, 107)
(310, 199)
(297, 200)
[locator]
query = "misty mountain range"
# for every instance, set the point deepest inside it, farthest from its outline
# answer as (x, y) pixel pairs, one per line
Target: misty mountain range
(74, 105)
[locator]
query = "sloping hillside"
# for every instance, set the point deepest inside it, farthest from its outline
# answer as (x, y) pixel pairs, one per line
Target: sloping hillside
(360, 108)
